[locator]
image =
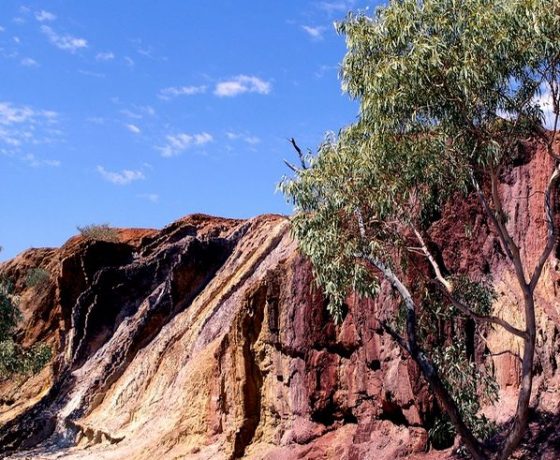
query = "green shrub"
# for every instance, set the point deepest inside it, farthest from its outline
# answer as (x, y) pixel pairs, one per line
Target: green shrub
(99, 232)
(37, 277)
(9, 313)
(14, 359)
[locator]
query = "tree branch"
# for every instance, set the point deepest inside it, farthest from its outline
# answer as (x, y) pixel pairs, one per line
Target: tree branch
(516, 258)
(481, 318)
(550, 205)
(506, 241)
(432, 260)
(429, 371)
(491, 216)
(301, 156)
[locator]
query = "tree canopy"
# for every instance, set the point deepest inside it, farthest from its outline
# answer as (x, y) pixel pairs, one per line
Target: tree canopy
(447, 90)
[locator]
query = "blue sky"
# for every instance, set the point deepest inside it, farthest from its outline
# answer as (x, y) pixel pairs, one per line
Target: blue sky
(138, 113)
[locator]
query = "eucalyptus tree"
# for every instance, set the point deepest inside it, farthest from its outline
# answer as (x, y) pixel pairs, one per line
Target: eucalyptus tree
(448, 89)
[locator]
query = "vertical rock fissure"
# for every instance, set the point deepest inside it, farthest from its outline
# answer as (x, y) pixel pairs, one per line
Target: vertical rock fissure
(249, 329)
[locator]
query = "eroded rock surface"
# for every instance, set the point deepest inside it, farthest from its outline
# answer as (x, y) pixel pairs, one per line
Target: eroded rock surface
(209, 340)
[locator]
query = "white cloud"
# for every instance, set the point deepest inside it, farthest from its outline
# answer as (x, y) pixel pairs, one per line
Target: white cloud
(252, 140)
(125, 177)
(248, 138)
(105, 56)
(2, 29)
(316, 33)
(43, 16)
(151, 197)
(242, 84)
(323, 69)
(147, 52)
(544, 101)
(64, 42)
(138, 112)
(174, 91)
(35, 162)
(28, 62)
(129, 62)
(232, 136)
(133, 128)
(89, 73)
(341, 6)
(22, 127)
(96, 120)
(11, 114)
(177, 143)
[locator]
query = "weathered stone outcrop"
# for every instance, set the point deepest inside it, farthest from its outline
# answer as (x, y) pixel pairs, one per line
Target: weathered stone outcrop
(209, 339)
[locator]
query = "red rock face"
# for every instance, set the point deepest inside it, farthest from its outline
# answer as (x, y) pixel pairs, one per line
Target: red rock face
(209, 339)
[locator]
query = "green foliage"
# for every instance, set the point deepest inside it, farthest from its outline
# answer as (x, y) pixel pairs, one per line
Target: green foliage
(443, 334)
(469, 386)
(14, 359)
(447, 89)
(9, 313)
(37, 277)
(99, 232)
(478, 295)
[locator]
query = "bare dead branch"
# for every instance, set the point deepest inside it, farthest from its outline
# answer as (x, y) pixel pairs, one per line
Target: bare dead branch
(301, 156)
(291, 166)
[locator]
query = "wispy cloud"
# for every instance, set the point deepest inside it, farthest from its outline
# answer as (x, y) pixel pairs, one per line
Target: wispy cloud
(35, 162)
(545, 102)
(341, 6)
(252, 140)
(248, 138)
(44, 16)
(23, 127)
(11, 114)
(133, 128)
(2, 29)
(151, 197)
(178, 143)
(105, 56)
(64, 42)
(138, 112)
(128, 61)
(89, 73)
(242, 84)
(316, 33)
(125, 177)
(175, 91)
(96, 120)
(323, 69)
(28, 62)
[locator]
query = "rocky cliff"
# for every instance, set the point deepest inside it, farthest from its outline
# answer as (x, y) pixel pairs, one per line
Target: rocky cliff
(208, 339)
